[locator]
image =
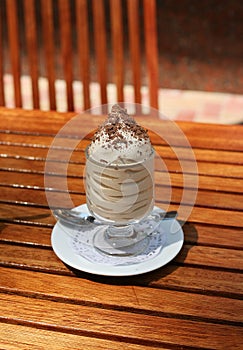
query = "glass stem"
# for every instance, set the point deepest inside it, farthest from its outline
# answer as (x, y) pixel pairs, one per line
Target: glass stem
(120, 231)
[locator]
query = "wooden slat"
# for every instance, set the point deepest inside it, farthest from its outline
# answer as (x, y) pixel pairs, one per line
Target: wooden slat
(199, 280)
(34, 216)
(38, 152)
(213, 137)
(168, 167)
(211, 256)
(136, 297)
(117, 46)
(134, 46)
(49, 48)
(10, 193)
(213, 183)
(83, 48)
(206, 183)
(14, 48)
(207, 215)
(24, 141)
(202, 136)
(205, 155)
(22, 195)
(200, 234)
(28, 179)
(32, 48)
(24, 234)
(197, 214)
(213, 215)
(20, 144)
(53, 122)
(66, 49)
(163, 175)
(100, 46)
(24, 337)
(215, 235)
(117, 325)
(30, 257)
(2, 96)
(151, 49)
(75, 168)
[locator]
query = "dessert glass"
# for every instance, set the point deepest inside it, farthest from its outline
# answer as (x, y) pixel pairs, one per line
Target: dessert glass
(120, 196)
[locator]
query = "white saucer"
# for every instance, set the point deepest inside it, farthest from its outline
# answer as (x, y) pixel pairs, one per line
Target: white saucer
(60, 241)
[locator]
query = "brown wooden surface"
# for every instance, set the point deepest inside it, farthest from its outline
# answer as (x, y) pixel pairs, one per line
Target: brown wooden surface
(194, 302)
(88, 41)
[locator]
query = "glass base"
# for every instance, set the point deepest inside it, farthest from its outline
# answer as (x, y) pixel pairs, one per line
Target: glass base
(120, 240)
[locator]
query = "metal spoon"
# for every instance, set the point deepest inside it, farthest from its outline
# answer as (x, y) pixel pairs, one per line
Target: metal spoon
(74, 217)
(69, 216)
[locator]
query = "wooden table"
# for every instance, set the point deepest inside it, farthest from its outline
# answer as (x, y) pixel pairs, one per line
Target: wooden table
(193, 302)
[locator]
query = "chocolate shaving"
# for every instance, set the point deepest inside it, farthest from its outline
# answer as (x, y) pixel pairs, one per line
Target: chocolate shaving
(119, 121)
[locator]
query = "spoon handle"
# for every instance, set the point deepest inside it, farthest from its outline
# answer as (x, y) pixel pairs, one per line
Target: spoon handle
(168, 215)
(72, 217)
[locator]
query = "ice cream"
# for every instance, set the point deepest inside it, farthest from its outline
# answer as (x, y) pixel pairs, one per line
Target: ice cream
(119, 169)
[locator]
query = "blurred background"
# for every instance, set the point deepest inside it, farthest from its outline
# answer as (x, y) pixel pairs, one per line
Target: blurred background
(200, 52)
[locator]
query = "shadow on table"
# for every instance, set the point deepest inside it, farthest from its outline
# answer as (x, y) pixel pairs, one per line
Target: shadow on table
(154, 277)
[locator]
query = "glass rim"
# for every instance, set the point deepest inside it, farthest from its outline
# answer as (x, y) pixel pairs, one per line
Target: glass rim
(113, 165)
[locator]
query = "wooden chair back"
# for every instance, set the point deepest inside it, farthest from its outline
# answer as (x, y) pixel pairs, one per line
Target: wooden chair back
(79, 39)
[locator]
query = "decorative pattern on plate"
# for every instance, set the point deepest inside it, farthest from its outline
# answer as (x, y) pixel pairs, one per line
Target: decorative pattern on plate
(81, 243)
